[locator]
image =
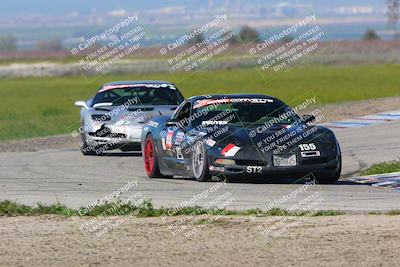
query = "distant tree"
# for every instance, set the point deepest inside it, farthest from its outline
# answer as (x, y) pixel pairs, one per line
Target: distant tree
(370, 35)
(249, 35)
(393, 13)
(50, 45)
(393, 7)
(196, 40)
(8, 43)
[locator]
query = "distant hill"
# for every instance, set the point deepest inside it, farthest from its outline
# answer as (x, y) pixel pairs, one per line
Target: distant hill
(51, 7)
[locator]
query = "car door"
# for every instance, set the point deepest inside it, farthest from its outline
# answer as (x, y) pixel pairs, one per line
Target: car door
(174, 137)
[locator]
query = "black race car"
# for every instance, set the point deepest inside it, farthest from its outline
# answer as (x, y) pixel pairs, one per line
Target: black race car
(239, 136)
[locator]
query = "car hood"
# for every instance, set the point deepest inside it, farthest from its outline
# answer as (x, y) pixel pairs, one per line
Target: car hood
(275, 139)
(131, 115)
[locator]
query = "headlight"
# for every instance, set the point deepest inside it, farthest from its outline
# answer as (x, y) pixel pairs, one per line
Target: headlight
(225, 161)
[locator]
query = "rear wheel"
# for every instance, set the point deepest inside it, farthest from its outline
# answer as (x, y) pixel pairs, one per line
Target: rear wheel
(150, 159)
(200, 163)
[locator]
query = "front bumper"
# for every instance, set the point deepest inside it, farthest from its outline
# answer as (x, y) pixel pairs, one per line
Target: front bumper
(324, 163)
(108, 138)
(297, 171)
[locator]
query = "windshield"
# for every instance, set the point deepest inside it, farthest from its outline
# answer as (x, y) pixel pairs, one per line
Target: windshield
(137, 96)
(243, 112)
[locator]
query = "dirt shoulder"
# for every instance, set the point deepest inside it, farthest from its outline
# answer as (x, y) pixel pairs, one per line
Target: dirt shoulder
(40, 143)
(348, 240)
(351, 109)
(331, 112)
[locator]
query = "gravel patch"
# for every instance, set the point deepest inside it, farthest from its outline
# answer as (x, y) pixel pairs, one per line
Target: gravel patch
(40, 143)
(348, 240)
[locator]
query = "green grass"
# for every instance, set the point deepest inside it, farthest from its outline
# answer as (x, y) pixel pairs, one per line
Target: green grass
(146, 209)
(385, 167)
(390, 212)
(33, 107)
(393, 212)
(13, 209)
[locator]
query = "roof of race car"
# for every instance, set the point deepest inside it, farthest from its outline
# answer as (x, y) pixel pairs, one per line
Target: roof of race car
(137, 82)
(125, 84)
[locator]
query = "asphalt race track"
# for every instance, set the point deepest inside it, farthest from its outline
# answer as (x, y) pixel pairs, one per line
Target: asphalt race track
(67, 177)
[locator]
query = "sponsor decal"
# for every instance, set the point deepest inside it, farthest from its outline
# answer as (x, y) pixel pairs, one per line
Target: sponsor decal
(180, 137)
(205, 123)
(206, 102)
(230, 150)
(179, 154)
(254, 169)
(210, 142)
(168, 140)
(164, 146)
(203, 103)
(190, 139)
(153, 124)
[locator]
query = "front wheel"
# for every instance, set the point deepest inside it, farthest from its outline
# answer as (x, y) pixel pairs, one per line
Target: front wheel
(200, 163)
(330, 178)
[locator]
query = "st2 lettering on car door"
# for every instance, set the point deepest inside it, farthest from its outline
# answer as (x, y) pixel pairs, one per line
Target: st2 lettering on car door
(254, 169)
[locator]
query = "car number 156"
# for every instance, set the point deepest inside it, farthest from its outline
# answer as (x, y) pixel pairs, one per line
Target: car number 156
(308, 147)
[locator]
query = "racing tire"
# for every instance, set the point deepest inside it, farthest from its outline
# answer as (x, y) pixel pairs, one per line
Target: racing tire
(200, 163)
(328, 178)
(150, 159)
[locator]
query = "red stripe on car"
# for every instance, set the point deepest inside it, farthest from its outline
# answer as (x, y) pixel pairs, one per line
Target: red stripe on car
(227, 148)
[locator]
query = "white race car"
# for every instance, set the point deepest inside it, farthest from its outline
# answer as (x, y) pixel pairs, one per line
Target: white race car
(115, 116)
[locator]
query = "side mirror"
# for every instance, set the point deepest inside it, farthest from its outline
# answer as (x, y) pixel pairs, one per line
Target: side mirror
(308, 118)
(81, 104)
